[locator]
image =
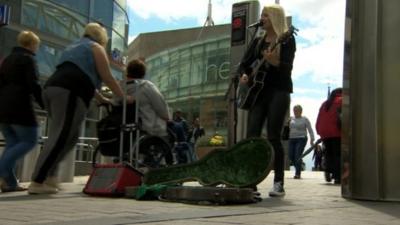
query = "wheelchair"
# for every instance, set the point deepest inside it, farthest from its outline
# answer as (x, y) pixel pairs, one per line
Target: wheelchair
(153, 151)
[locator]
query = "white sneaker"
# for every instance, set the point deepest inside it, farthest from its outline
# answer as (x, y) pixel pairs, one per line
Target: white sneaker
(36, 188)
(52, 182)
(277, 190)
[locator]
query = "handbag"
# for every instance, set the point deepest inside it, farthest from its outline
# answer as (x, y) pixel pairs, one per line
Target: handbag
(285, 132)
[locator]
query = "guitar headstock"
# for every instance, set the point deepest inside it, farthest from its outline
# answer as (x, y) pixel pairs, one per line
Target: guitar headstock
(285, 36)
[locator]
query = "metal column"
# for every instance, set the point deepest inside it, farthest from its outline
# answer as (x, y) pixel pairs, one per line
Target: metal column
(243, 14)
(371, 81)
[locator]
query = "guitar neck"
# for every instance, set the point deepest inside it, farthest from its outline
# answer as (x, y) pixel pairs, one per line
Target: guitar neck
(263, 60)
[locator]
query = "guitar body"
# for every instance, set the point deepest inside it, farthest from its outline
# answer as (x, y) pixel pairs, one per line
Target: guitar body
(247, 95)
(247, 163)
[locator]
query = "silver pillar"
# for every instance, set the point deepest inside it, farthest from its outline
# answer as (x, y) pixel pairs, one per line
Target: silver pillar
(243, 14)
(371, 81)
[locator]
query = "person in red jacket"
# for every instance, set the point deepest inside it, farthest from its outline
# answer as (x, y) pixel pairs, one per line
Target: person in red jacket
(328, 127)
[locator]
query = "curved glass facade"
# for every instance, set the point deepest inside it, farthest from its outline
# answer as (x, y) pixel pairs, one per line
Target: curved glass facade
(53, 19)
(66, 20)
(194, 78)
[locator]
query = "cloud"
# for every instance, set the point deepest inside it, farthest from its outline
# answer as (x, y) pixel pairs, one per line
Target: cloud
(174, 10)
(131, 38)
(320, 54)
(308, 91)
(320, 39)
(322, 61)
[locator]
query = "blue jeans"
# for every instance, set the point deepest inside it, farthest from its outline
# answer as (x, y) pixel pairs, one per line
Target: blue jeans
(183, 154)
(296, 149)
(19, 141)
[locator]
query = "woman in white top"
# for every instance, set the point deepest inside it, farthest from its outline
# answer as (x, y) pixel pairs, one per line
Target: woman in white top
(299, 125)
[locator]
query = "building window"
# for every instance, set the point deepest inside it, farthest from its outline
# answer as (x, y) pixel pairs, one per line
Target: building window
(54, 19)
(100, 11)
(47, 59)
(76, 5)
(195, 78)
(121, 3)
(117, 42)
(117, 74)
(120, 20)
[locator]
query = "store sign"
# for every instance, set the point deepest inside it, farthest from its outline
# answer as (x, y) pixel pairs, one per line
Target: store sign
(4, 14)
(117, 57)
(221, 70)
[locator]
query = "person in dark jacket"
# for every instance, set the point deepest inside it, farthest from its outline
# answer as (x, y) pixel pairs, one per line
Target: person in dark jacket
(18, 81)
(328, 128)
(195, 133)
(184, 153)
(273, 101)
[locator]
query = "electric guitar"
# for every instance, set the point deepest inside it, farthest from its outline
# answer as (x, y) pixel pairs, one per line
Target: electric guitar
(248, 93)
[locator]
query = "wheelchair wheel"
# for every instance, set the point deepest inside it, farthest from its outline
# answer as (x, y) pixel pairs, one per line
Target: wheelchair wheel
(155, 151)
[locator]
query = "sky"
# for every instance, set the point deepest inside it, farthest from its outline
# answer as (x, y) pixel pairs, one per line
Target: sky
(320, 41)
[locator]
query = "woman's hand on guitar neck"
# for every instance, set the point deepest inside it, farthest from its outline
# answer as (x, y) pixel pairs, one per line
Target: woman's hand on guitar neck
(244, 79)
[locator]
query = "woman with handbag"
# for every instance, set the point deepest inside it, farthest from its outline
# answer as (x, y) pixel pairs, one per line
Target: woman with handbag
(299, 126)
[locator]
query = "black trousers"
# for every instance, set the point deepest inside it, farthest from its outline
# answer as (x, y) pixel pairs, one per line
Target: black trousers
(271, 107)
(332, 148)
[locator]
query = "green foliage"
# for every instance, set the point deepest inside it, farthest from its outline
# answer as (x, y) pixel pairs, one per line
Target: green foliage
(211, 140)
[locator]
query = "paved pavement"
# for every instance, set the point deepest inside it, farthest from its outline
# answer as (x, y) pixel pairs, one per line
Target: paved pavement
(307, 201)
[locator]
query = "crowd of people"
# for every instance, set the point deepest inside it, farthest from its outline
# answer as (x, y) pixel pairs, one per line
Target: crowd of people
(85, 62)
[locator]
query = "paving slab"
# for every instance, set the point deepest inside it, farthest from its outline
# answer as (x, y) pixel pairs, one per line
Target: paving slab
(308, 201)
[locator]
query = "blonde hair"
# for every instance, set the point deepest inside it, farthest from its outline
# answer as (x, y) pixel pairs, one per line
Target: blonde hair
(298, 107)
(97, 33)
(28, 39)
(277, 17)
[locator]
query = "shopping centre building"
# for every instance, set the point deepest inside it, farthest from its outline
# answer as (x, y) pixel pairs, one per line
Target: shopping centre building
(191, 67)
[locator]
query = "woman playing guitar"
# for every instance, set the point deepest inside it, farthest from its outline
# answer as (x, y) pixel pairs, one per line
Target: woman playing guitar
(276, 50)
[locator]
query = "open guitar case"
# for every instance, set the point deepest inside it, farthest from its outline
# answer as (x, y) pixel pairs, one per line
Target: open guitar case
(111, 179)
(226, 176)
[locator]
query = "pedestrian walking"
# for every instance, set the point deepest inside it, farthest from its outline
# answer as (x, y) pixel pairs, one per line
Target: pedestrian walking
(18, 82)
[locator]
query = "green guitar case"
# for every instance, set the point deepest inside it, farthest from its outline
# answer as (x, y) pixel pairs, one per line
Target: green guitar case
(210, 195)
(244, 165)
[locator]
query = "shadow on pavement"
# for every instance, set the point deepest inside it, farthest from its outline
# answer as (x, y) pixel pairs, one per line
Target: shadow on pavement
(273, 202)
(389, 208)
(27, 197)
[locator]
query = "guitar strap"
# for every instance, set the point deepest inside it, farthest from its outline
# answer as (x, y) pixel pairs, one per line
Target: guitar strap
(259, 45)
